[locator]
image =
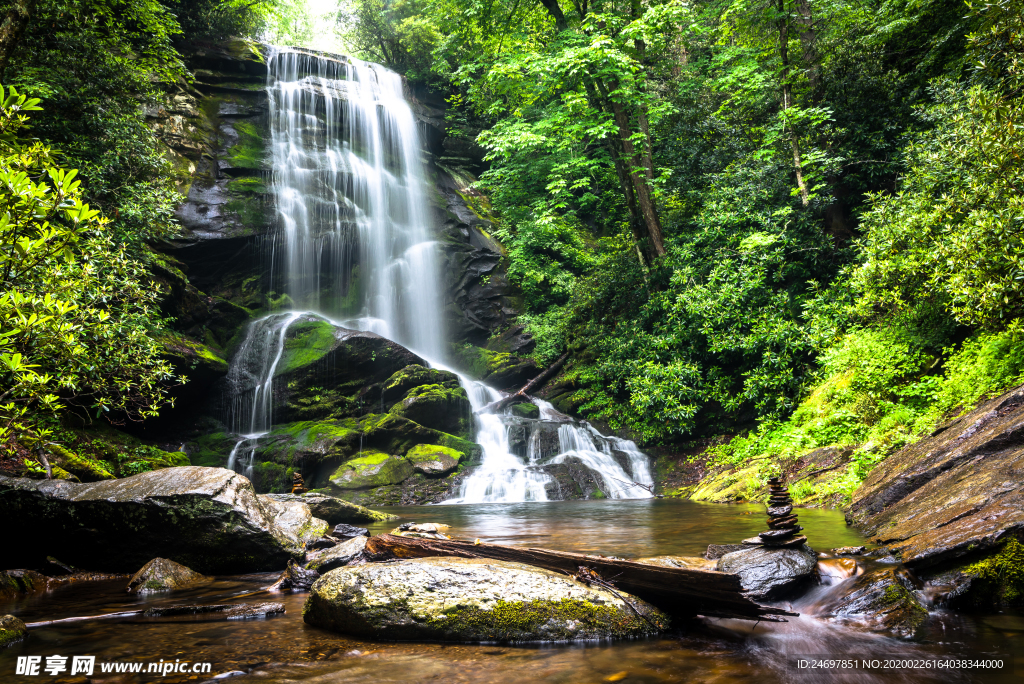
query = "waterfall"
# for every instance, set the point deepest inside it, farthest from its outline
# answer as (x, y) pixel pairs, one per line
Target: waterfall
(356, 249)
(349, 185)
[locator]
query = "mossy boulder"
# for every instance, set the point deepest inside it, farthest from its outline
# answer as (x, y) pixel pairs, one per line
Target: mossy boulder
(442, 408)
(398, 385)
(331, 372)
(161, 574)
(372, 469)
(11, 630)
(502, 370)
(472, 600)
(433, 460)
(525, 409)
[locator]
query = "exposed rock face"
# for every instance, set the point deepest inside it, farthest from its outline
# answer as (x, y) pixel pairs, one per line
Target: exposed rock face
(344, 532)
(209, 519)
(768, 573)
(337, 556)
(11, 630)
(958, 491)
(470, 600)
(881, 600)
(334, 510)
(161, 574)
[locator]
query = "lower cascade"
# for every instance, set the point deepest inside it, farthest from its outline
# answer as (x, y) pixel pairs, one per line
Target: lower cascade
(357, 252)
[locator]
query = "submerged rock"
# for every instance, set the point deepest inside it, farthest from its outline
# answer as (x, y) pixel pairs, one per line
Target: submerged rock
(161, 574)
(471, 600)
(767, 573)
(11, 630)
(230, 611)
(208, 519)
(337, 556)
(880, 600)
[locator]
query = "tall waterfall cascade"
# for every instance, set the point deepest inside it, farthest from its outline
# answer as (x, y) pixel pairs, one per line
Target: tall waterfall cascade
(356, 249)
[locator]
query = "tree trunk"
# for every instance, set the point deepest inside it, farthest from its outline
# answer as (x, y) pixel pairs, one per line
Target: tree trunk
(677, 591)
(528, 387)
(556, 13)
(787, 101)
(13, 26)
(809, 41)
(644, 196)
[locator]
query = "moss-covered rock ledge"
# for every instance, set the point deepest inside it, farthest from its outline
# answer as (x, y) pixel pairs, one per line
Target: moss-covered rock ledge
(472, 600)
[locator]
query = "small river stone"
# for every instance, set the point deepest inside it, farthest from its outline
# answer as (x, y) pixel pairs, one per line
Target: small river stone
(471, 600)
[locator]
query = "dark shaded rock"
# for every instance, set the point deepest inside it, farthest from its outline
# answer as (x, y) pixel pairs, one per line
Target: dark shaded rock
(439, 407)
(12, 630)
(716, 551)
(470, 600)
(767, 573)
(294, 577)
(572, 479)
(958, 491)
(335, 510)
(881, 600)
(204, 518)
(321, 543)
(345, 532)
(337, 556)
(161, 574)
(16, 582)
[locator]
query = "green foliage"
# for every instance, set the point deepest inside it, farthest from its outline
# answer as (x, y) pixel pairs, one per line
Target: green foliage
(76, 313)
(1000, 576)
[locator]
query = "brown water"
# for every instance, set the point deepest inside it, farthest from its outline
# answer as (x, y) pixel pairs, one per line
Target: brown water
(284, 649)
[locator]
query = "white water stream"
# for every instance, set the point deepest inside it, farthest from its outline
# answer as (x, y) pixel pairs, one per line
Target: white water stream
(358, 252)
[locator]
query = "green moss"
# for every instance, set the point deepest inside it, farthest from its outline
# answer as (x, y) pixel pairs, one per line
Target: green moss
(211, 450)
(250, 150)
(305, 343)
(422, 453)
(271, 477)
(525, 410)
(1000, 577)
(511, 621)
(372, 469)
(248, 185)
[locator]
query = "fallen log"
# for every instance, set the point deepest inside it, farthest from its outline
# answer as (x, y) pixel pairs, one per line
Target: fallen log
(522, 393)
(677, 591)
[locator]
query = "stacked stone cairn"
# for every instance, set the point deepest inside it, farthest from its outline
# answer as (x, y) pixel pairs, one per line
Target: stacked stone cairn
(782, 527)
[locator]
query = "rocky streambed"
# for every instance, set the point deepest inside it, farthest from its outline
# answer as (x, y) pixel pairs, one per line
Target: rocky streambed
(331, 613)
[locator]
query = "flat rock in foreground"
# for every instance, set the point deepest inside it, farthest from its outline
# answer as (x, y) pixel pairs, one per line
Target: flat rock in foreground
(209, 519)
(471, 600)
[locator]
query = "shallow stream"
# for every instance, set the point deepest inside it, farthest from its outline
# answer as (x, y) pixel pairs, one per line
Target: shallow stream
(284, 649)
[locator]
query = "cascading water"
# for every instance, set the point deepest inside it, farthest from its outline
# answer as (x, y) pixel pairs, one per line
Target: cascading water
(357, 250)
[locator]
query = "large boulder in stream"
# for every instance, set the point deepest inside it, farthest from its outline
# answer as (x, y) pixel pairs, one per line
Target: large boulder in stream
(209, 519)
(472, 600)
(771, 573)
(11, 630)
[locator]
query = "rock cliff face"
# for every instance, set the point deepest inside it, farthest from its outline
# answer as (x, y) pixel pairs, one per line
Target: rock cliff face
(951, 506)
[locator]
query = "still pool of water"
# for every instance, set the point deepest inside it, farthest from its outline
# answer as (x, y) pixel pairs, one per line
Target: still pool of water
(284, 649)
